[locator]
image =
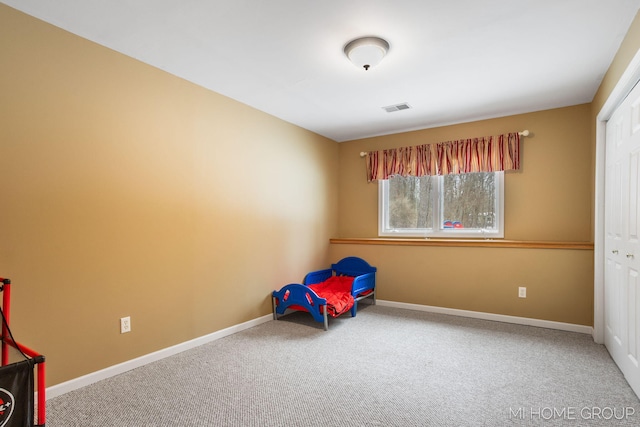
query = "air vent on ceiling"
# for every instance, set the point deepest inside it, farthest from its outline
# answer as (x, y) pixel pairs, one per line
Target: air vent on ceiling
(397, 107)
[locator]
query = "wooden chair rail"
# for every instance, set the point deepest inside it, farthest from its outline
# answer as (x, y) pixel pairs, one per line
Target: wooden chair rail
(475, 243)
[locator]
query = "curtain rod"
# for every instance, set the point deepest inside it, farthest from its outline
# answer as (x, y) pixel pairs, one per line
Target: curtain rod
(523, 133)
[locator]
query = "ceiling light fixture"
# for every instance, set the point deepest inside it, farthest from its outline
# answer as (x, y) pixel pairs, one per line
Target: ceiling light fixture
(366, 52)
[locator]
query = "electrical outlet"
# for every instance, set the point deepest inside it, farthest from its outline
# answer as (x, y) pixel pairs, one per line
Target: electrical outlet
(125, 324)
(522, 292)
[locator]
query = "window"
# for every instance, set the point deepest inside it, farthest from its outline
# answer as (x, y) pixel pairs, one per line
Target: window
(456, 205)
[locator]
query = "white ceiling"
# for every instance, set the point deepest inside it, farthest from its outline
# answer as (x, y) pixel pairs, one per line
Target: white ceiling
(453, 61)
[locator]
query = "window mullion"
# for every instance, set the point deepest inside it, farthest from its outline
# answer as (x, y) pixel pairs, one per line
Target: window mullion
(436, 203)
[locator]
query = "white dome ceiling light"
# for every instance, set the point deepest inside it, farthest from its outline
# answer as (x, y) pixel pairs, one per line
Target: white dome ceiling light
(366, 52)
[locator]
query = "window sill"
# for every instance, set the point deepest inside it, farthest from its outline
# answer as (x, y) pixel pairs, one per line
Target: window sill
(471, 243)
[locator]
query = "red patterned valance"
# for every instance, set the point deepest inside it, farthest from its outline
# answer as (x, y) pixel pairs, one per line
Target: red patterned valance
(483, 154)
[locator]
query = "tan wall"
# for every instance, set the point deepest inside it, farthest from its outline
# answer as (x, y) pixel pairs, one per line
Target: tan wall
(628, 49)
(559, 282)
(548, 200)
(552, 198)
(129, 192)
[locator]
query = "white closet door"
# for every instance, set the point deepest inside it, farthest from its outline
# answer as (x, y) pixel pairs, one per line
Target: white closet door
(622, 238)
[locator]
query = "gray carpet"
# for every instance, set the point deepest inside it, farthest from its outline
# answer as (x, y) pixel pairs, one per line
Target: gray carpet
(386, 367)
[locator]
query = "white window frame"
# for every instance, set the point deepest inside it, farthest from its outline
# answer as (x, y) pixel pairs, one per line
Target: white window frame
(438, 230)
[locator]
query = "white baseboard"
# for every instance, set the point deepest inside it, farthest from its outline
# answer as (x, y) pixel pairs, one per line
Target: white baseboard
(85, 380)
(549, 324)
